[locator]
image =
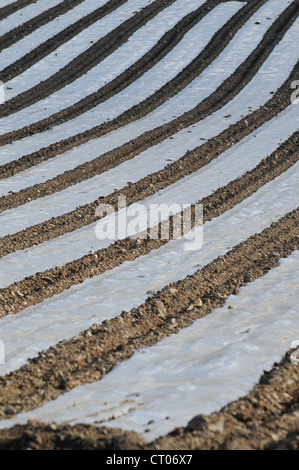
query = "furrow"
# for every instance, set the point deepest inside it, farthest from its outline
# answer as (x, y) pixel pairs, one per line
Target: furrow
(144, 187)
(35, 54)
(21, 31)
(58, 369)
(213, 348)
(176, 85)
(27, 12)
(10, 8)
(228, 90)
(85, 61)
(169, 40)
(53, 281)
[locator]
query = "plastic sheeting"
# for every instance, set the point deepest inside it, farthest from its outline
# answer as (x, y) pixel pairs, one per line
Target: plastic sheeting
(128, 285)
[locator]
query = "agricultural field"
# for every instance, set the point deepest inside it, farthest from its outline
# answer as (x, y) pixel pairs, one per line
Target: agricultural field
(149, 256)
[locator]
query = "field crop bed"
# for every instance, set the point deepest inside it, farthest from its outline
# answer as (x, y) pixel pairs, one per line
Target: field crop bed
(144, 342)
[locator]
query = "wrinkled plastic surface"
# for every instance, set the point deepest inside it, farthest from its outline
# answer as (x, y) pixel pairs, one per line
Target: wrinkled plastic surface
(128, 285)
(217, 360)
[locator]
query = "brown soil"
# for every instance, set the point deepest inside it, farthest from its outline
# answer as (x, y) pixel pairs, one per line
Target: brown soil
(43, 285)
(48, 46)
(164, 45)
(85, 61)
(23, 30)
(264, 419)
(13, 7)
(174, 307)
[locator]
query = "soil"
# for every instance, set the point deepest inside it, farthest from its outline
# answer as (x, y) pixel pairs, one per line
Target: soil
(264, 419)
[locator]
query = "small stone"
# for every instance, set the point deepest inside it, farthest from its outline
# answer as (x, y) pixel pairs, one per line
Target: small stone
(217, 427)
(172, 290)
(161, 308)
(196, 424)
(171, 323)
